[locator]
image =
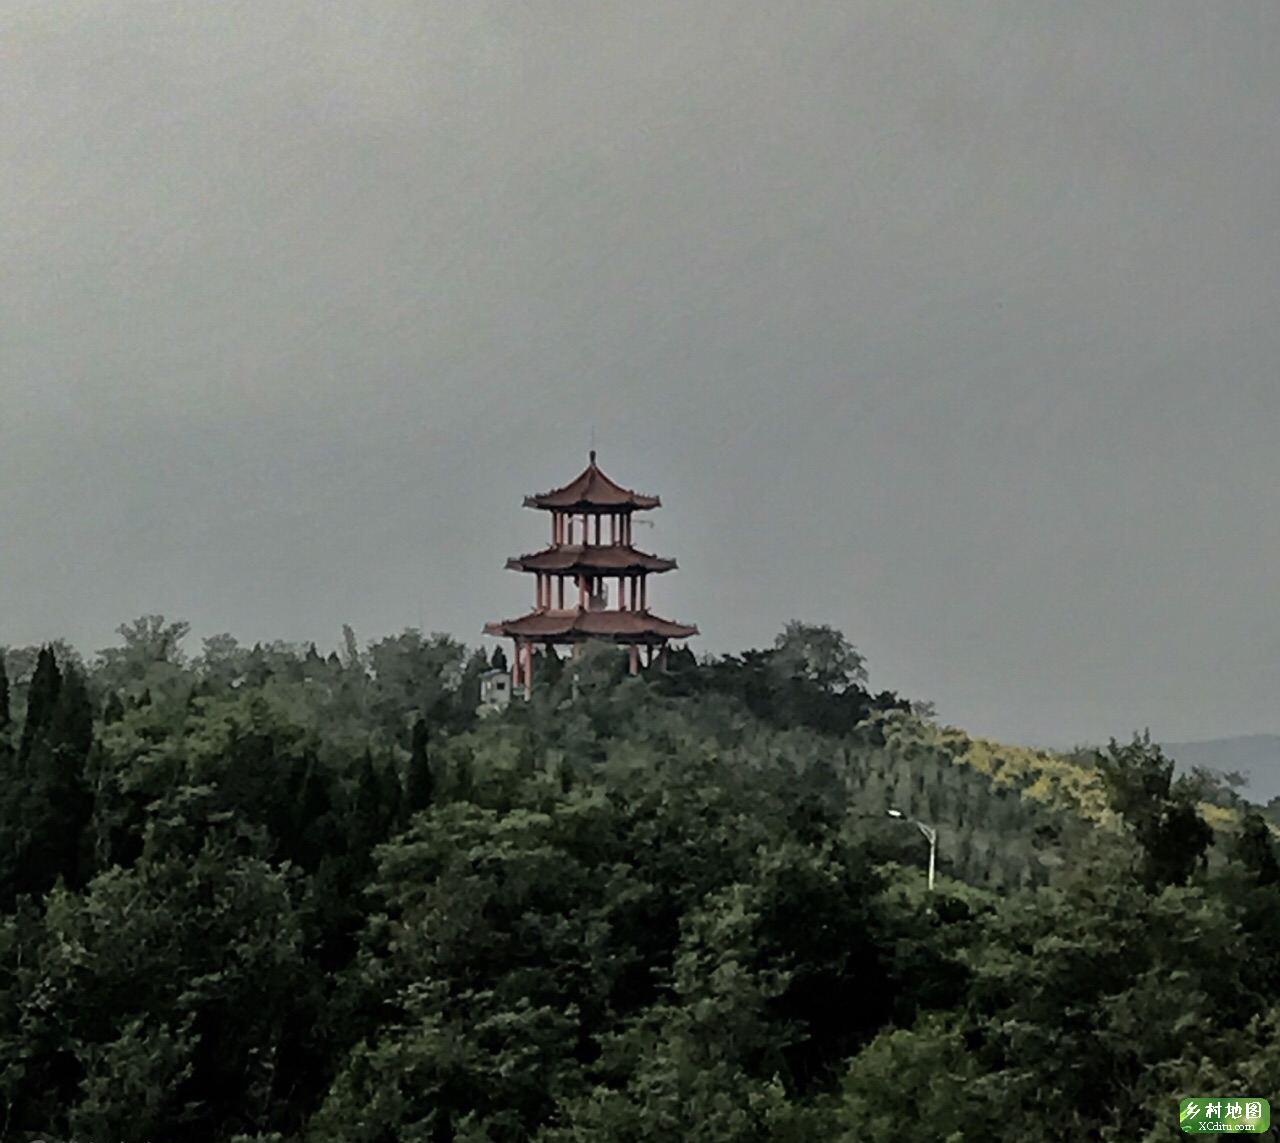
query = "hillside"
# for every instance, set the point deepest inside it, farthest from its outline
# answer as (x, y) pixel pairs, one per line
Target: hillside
(265, 895)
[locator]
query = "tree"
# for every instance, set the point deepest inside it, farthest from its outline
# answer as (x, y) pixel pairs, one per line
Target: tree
(498, 661)
(419, 787)
(1256, 851)
(4, 695)
(550, 668)
(223, 661)
(354, 660)
(45, 804)
(818, 654)
(166, 1001)
(151, 659)
(42, 696)
(1159, 812)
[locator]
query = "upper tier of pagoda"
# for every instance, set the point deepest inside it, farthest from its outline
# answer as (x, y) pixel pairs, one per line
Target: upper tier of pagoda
(590, 491)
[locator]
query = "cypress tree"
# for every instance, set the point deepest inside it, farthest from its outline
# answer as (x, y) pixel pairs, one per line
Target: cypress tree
(4, 696)
(71, 724)
(1255, 850)
(113, 709)
(499, 660)
(366, 817)
(552, 668)
(69, 805)
(419, 782)
(42, 696)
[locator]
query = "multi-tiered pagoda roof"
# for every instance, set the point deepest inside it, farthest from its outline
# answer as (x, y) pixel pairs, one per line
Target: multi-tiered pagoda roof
(582, 557)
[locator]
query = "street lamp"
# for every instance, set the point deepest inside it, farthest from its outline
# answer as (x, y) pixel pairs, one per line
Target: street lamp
(929, 832)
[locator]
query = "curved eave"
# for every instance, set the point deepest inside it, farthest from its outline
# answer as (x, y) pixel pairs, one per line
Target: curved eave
(549, 501)
(578, 626)
(590, 491)
(591, 560)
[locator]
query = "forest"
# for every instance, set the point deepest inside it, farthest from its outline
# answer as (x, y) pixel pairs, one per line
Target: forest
(254, 894)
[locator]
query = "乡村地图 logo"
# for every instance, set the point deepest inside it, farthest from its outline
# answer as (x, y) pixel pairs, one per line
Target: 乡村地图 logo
(1223, 1115)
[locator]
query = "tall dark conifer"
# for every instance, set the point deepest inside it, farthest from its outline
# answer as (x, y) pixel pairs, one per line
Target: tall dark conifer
(69, 803)
(419, 786)
(42, 697)
(366, 825)
(4, 696)
(552, 668)
(113, 709)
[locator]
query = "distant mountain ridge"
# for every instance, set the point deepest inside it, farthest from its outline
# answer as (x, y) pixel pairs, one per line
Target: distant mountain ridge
(1254, 756)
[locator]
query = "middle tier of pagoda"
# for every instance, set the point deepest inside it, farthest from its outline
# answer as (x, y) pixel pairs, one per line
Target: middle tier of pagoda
(591, 559)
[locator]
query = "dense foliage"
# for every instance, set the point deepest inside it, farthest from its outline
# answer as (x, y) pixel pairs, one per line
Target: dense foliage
(266, 894)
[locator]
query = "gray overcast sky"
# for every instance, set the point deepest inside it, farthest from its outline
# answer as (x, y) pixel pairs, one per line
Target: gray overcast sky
(952, 325)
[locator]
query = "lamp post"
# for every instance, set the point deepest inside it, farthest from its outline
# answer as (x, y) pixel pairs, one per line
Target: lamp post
(929, 832)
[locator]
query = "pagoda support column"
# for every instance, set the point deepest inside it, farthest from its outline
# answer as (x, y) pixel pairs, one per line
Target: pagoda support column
(635, 659)
(560, 591)
(528, 669)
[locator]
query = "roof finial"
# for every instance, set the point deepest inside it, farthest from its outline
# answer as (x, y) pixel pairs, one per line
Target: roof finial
(592, 455)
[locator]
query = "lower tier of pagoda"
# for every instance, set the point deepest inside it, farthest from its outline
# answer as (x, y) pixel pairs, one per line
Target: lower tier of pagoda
(580, 624)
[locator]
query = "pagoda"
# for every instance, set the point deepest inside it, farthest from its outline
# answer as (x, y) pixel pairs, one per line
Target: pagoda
(590, 550)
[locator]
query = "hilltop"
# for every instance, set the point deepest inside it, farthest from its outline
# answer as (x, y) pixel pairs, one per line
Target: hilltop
(265, 895)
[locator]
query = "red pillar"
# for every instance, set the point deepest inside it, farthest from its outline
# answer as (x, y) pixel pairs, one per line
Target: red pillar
(560, 590)
(528, 668)
(635, 659)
